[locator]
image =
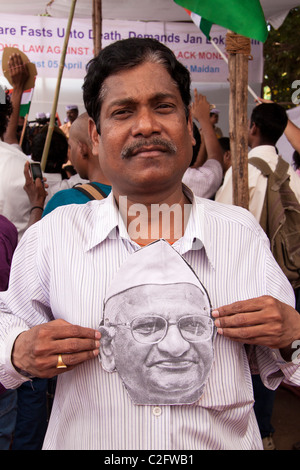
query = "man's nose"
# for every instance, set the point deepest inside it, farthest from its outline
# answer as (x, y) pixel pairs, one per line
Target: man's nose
(173, 343)
(146, 123)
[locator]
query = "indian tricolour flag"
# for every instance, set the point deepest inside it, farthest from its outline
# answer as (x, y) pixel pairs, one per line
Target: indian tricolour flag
(25, 101)
(244, 17)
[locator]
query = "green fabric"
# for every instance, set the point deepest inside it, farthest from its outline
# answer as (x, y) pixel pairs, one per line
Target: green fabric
(245, 17)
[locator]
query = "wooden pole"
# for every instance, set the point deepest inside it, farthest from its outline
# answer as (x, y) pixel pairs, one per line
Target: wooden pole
(251, 91)
(238, 50)
(97, 25)
(23, 130)
(58, 83)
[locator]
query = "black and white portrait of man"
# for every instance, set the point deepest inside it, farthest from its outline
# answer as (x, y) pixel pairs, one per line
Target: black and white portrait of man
(157, 331)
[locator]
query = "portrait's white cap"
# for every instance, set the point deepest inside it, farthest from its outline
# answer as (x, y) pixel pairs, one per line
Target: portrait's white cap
(157, 263)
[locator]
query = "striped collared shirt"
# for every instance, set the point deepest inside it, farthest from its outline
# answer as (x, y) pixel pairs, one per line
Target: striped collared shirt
(62, 269)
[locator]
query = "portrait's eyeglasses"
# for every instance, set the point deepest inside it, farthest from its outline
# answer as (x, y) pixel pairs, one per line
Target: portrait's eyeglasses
(153, 329)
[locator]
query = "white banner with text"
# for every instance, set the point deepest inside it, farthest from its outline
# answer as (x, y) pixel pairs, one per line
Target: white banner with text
(41, 38)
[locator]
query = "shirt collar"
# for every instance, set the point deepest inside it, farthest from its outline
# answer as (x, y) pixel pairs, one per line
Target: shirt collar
(266, 152)
(108, 224)
(196, 234)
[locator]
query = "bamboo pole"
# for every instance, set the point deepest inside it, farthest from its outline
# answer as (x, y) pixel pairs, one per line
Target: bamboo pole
(97, 25)
(238, 119)
(58, 83)
(23, 130)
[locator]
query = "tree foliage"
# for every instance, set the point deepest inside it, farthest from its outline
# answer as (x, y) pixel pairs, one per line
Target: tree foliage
(282, 59)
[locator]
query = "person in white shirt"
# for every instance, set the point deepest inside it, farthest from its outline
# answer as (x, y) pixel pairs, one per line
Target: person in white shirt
(14, 203)
(137, 95)
(267, 124)
(205, 175)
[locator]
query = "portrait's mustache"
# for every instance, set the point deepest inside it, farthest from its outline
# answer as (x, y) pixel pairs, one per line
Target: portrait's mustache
(159, 142)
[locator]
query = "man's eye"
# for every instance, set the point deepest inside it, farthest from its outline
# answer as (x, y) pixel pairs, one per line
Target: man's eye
(145, 328)
(165, 107)
(121, 112)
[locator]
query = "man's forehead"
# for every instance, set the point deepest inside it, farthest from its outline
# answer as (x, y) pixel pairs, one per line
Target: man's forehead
(127, 83)
(164, 300)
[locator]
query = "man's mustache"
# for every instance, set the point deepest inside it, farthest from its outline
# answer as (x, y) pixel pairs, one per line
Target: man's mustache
(163, 144)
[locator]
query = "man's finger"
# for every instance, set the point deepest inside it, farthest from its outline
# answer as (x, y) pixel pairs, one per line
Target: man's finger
(239, 320)
(71, 360)
(242, 306)
(63, 330)
(252, 335)
(75, 345)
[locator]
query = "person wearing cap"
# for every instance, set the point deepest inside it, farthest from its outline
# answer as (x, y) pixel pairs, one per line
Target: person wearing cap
(138, 96)
(214, 119)
(71, 115)
(14, 204)
(157, 331)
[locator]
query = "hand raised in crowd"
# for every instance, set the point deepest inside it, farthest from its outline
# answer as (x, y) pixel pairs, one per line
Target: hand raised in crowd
(19, 75)
(200, 107)
(18, 71)
(210, 147)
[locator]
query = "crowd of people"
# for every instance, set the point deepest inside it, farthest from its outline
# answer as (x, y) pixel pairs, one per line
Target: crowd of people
(69, 269)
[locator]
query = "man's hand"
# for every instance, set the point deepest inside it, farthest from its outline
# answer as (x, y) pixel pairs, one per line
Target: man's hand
(19, 75)
(18, 72)
(36, 350)
(263, 321)
(35, 189)
(200, 108)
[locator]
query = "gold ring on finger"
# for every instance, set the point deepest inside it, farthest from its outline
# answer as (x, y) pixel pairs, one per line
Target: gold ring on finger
(60, 363)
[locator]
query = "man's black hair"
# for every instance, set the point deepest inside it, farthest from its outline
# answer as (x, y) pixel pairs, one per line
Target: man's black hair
(271, 119)
(123, 55)
(225, 143)
(58, 150)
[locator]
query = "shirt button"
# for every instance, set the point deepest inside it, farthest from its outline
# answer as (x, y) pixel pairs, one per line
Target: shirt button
(156, 411)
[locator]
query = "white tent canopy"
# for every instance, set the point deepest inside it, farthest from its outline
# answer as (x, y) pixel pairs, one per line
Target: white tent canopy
(162, 10)
(132, 10)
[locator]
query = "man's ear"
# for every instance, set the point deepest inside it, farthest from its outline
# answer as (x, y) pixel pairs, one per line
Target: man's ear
(94, 136)
(253, 129)
(190, 126)
(106, 349)
(83, 149)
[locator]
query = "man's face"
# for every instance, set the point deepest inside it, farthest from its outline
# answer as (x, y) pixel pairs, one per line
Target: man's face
(72, 114)
(174, 369)
(145, 142)
(214, 118)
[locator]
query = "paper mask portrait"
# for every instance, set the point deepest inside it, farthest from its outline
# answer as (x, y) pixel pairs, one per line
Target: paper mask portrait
(157, 331)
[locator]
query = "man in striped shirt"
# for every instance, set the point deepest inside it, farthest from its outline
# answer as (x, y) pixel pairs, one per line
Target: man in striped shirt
(137, 95)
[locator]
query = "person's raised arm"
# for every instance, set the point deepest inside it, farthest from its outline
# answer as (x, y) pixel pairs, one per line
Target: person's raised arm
(200, 111)
(19, 75)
